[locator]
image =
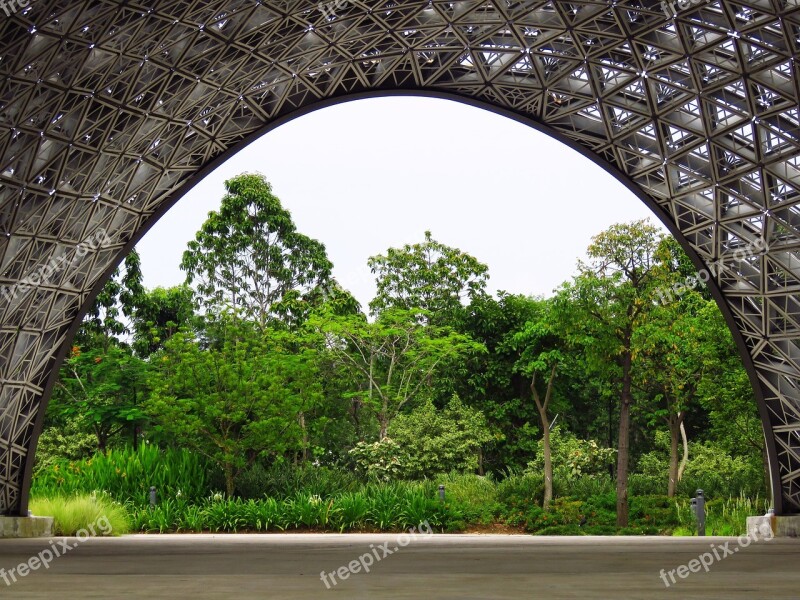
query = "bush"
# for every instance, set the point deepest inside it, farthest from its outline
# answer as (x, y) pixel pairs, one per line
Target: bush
(517, 494)
(434, 441)
(572, 457)
(282, 480)
(381, 460)
(475, 495)
(97, 514)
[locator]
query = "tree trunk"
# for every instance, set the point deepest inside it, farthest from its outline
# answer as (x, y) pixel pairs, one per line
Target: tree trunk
(676, 466)
(674, 434)
(623, 444)
(545, 422)
(229, 483)
(301, 419)
(548, 462)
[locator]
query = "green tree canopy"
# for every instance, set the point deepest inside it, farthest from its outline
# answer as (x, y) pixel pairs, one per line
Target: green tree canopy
(249, 256)
(429, 276)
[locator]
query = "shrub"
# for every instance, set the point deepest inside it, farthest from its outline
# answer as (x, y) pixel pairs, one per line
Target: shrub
(517, 494)
(572, 456)
(435, 441)
(381, 460)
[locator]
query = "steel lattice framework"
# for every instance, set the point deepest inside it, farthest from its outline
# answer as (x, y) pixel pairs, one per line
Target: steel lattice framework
(111, 110)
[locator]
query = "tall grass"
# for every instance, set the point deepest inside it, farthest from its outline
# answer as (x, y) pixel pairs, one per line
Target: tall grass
(724, 516)
(97, 514)
(127, 475)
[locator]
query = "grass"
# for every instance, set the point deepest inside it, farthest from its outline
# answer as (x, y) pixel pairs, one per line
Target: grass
(98, 515)
(724, 516)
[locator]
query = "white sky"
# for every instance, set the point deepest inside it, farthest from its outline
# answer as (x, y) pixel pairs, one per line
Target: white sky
(366, 175)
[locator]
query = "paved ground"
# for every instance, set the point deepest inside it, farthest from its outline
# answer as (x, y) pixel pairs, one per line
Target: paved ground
(428, 567)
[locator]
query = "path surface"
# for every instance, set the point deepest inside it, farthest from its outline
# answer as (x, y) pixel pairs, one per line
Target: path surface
(288, 566)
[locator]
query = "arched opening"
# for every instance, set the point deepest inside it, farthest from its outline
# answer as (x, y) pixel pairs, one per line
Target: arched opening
(235, 160)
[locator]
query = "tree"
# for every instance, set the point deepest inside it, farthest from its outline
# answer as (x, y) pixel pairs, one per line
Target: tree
(611, 295)
(428, 276)
(540, 346)
(119, 298)
(669, 345)
(392, 359)
(490, 381)
(101, 386)
(249, 256)
(237, 399)
(159, 315)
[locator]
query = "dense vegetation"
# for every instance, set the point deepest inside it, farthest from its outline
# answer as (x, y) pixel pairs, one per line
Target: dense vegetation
(260, 395)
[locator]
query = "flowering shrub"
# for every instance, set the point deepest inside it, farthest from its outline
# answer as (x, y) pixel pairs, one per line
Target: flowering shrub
(381, 460)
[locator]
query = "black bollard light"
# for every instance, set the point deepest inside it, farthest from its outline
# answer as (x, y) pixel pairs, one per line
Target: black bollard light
(441, 493)
(699, 504)
(152, 496)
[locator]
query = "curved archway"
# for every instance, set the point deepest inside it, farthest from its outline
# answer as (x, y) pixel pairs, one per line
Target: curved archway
(112, 111)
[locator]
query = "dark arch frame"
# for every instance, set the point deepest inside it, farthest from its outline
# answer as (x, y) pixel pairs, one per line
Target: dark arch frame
(609, 168)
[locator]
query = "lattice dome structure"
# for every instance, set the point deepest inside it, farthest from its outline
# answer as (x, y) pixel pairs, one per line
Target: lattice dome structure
(111, 110)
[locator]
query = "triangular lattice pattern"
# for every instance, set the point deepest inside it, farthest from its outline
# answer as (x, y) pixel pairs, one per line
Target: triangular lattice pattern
(109, 109)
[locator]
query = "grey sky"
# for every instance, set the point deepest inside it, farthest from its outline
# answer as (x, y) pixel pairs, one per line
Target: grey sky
(366, 175)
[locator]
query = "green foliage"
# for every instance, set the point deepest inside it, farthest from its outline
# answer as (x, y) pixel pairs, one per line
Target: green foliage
(433, 441)
(726, 516)
(236, 399)
(475, 495)
(573, 457)
(392, 360)
(64, 442)
(119, 297)
(101, 385)
(97, 514)
(126, 475)
(250, 257)
(376, 507)
(381, 460)
(429, 276)
(710, 468)
(281, 480)
(518, 494)
(160, 313)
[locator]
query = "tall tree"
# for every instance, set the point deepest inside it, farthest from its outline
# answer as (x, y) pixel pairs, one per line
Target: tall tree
(488, 380)
(540, 346)
(611, 295)
(671, 366)
(429, 276)
(249, 256)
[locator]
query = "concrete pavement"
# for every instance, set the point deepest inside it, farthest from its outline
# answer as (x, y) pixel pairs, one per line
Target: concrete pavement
(288, 566)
